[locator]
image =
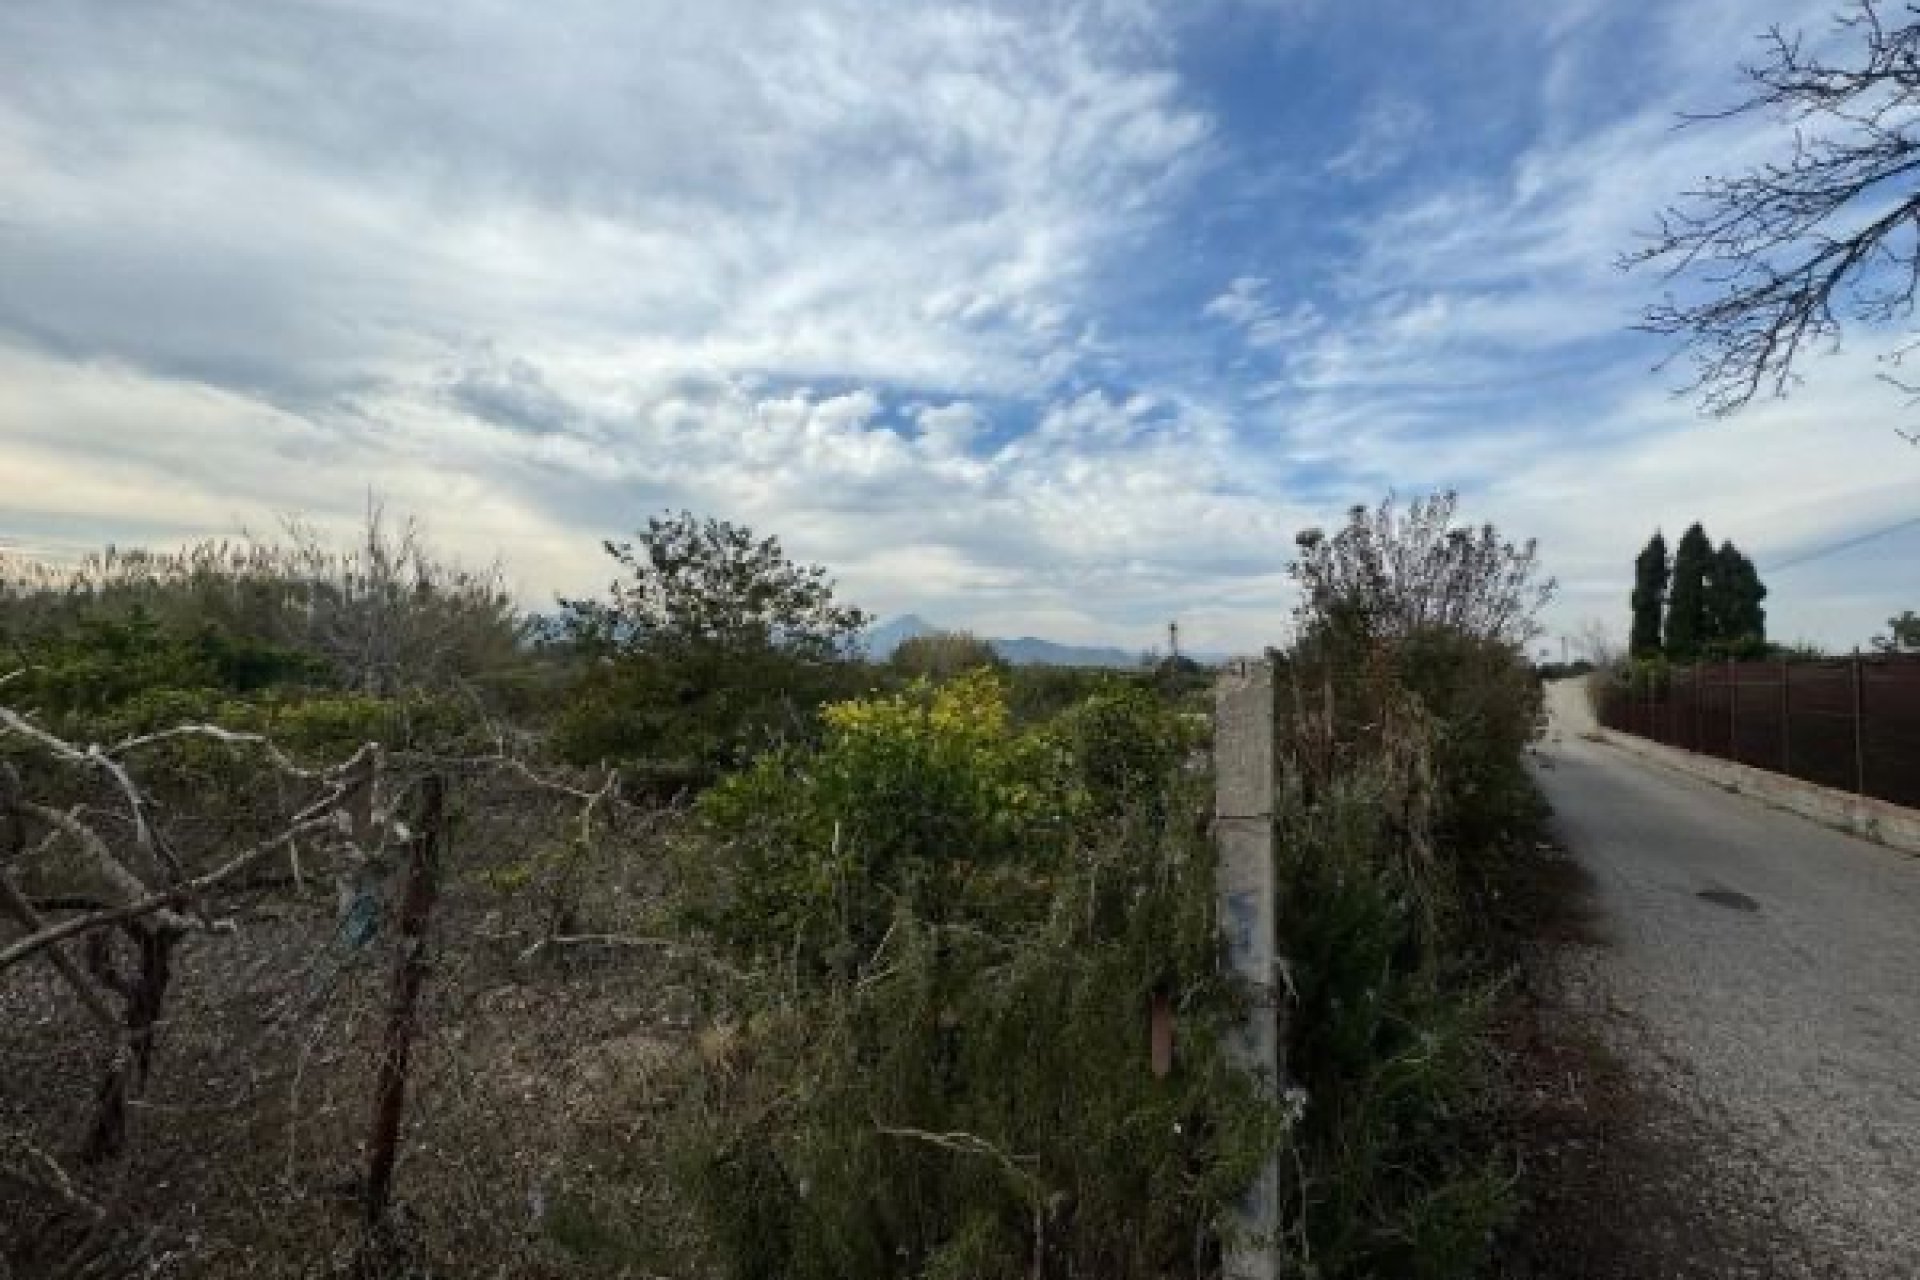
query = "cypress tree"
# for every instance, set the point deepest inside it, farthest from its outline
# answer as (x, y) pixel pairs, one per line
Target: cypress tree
(1690, 625)
(1722, 608)
(1649, 597)
(1740, 621)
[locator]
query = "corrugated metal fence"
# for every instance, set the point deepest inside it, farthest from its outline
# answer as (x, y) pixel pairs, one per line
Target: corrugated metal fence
(1849, 723)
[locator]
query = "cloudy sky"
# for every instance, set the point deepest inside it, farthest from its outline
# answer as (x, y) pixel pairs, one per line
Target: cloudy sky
(1039, 317)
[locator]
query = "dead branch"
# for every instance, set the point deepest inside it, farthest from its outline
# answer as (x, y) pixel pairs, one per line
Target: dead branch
(129, 887)
(179, 895)
(1775, 260)
(966, 1144)
(259, 742)
(92, 757)
(22, 911)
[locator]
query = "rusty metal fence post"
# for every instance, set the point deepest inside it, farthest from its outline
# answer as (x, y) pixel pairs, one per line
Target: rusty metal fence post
(1859, 730)
(1699, 713)
(1786, 718)
(1733, 715)
(1243, 755)
(409, 973)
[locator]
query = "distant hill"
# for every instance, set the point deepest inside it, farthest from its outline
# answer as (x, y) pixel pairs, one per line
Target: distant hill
(883, 639)
(1032, 651)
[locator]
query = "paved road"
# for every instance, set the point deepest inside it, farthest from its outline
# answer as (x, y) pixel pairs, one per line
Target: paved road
(1770, 967)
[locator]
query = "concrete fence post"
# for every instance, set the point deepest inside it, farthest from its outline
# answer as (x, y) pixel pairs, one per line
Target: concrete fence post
(1243, 766)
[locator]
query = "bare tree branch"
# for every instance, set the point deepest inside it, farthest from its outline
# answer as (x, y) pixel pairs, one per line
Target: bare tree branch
(329, 813)
(1768, 263)
(22, 911)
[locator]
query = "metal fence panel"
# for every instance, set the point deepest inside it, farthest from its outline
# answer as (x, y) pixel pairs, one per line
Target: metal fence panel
(1852, 724)
(1890, 730)
(1820, 724)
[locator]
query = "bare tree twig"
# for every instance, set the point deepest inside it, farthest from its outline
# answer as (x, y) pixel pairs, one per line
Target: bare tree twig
(1776, 259)
(22, 911)
(175, 896)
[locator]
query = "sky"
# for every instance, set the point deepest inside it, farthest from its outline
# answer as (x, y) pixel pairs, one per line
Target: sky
(1039, 318)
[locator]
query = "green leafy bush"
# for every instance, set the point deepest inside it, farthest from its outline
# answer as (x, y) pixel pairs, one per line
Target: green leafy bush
(941, 655)
(942, 1070)
(1392, 1173)
(928, 799)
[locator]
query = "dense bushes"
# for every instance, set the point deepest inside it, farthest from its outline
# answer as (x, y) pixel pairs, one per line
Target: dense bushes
(941, 655)
(926, 801)
(1392, 1171)
(379, 616)
(931, 913)
(959, 925)
(1405, 707)
(699, 710)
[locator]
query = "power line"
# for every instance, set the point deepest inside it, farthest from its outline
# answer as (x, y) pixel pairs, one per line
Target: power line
(1847, 545)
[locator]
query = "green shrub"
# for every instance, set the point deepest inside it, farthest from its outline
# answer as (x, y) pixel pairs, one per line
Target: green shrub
(1121, 744)
(705, 710)
(942, 1070)
(925, 798)
(1393, 1175)
(941, 655)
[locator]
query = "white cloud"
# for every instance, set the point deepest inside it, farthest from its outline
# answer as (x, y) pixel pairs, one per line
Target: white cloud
(1244, 304)
(1384, 136)
(1477, 337)
(535, 274)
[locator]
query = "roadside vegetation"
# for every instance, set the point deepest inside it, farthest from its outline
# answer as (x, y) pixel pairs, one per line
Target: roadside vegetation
(750, 957)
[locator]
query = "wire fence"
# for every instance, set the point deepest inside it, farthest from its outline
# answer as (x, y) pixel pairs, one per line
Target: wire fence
(1848, 723)
(451, 1065)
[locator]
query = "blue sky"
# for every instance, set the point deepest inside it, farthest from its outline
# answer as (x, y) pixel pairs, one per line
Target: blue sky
(1043, 318)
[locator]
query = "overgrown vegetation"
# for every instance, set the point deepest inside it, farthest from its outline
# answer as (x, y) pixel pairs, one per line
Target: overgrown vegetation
(959, 924)
(905, 934)
(710, 646)
(941, 655)
(1405, 704)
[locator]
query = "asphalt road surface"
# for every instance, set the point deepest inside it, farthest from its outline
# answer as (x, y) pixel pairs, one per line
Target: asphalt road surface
(1767, 967)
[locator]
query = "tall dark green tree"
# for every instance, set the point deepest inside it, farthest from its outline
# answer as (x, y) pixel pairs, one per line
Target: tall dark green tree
(1649, 597)
(1690, 625)
(1737, 619)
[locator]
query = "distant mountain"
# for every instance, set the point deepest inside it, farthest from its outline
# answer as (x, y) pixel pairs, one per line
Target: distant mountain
(1031, 651)
(883, 639)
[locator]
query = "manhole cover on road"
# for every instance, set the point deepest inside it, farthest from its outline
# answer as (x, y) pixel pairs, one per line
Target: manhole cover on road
(1728, 898)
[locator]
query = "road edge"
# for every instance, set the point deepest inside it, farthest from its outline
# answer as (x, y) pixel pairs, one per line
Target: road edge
(1878, 821)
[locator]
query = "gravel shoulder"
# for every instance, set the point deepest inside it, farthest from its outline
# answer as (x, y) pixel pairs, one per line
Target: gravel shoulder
(1747, 989)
